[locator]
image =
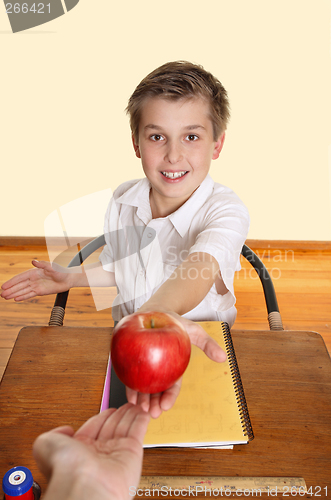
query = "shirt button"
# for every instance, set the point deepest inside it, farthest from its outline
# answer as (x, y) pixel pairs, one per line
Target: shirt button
(149, 235)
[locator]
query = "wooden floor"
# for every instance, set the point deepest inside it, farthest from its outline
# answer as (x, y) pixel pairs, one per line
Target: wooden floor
(302, 279)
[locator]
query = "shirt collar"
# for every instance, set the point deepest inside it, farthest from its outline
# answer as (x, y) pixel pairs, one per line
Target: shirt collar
(138, 196)
(182, 218)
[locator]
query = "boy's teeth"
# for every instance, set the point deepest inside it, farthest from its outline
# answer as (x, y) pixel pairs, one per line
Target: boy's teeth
(174, 175)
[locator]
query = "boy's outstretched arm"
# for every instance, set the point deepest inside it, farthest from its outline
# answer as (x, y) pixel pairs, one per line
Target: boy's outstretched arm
(187, 286)
(183, 291)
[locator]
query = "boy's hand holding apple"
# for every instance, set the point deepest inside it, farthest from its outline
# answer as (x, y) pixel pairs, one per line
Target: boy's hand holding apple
(165, 336)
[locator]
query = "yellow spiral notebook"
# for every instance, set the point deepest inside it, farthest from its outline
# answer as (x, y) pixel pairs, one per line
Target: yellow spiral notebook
(211, 409)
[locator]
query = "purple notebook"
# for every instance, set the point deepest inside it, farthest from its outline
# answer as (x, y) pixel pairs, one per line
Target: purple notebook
(106, 388)
(114, 391)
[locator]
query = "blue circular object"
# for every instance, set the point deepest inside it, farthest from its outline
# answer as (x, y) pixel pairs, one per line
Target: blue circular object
(17, 481)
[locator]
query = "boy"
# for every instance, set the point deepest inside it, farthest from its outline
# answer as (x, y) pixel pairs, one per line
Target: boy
(178, 117)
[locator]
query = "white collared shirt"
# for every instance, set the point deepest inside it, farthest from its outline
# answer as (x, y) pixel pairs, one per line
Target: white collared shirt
(144, 252)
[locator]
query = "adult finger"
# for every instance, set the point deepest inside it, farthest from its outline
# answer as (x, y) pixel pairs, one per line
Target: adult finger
(93, 426)
(110, 426)
(139, 424)
(133, 420)
(66, 430)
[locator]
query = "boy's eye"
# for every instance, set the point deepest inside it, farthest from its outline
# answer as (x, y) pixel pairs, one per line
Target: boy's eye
(156, 137)
(192, 137)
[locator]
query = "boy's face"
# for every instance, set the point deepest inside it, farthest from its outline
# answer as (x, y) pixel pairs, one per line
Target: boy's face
(176, 146)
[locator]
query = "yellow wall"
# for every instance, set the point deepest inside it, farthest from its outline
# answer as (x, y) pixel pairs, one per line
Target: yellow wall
(65, 84)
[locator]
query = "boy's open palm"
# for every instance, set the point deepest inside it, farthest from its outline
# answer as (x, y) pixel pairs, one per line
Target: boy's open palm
(43, 280)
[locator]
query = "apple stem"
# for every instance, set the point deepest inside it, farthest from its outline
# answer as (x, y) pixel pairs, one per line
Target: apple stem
(152, 323)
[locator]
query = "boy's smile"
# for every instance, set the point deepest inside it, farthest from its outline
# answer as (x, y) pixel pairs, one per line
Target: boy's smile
(176, 146)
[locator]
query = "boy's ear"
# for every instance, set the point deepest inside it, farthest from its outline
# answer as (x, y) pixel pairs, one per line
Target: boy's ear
(136, 147)
(218, 146)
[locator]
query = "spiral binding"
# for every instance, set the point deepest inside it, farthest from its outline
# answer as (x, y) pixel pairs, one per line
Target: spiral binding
(238, 387)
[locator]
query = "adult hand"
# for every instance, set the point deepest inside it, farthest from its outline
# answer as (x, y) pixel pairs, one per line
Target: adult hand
(163, 401)
(101, 461)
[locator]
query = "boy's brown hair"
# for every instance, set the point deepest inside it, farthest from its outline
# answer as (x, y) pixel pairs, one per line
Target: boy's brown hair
(181, 80)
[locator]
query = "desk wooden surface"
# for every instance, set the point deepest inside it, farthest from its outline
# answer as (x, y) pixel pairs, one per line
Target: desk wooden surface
(55, 376)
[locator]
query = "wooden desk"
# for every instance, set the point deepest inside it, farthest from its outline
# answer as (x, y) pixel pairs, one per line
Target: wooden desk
(55, 376)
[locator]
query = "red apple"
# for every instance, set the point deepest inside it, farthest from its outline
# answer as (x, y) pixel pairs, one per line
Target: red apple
(150, 351)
